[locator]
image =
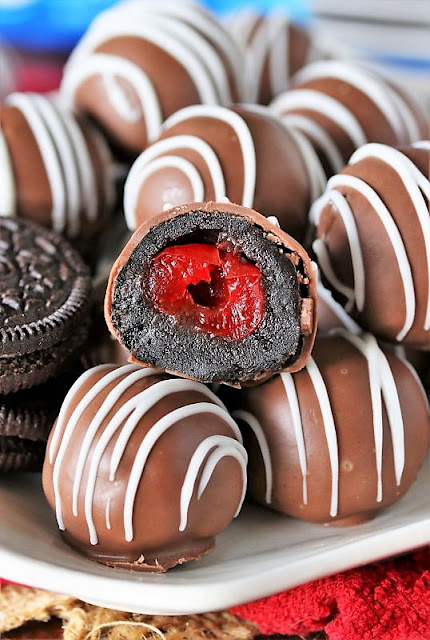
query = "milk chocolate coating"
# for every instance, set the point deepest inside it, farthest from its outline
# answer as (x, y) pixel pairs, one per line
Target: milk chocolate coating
(281, 342)
(56, 166)
(341, 106)
(327, 472)
(262, 164)
(380, 271)
(179, 476)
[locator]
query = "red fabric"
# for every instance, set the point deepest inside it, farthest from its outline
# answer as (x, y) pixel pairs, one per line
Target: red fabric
(385, 601)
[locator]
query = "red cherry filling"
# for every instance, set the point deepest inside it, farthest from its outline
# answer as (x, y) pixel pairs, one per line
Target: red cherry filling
(211, 288)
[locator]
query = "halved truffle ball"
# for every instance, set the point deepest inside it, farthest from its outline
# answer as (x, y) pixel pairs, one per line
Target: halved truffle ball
(339, 440)
(215, 292)
(143, 470)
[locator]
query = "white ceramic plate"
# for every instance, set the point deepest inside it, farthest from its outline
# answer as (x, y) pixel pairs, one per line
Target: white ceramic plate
(261, 553)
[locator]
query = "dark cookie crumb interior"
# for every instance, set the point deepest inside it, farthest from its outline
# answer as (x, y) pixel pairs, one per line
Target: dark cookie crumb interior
(157, 339)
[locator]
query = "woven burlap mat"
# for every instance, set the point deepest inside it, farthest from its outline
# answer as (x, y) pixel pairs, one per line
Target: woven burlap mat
(81, 621)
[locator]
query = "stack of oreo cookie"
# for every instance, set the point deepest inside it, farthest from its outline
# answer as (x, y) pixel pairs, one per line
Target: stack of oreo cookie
(44, 297)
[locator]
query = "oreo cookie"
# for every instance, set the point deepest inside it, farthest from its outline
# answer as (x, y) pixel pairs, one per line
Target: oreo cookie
(26, 419)
(44, 304)
(20, 455)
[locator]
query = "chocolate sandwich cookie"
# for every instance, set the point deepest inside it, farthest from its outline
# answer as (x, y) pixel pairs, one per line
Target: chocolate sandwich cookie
(44, 298)
(215, 292)
(26, 418)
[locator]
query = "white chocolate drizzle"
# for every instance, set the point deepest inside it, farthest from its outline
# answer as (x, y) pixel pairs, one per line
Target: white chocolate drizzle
(116, 67)
(149, 441)
(220, 447)
(8, 188)
(258, 431)
(357, 295)
(383, 394)
(309, 99)
(265, 39)
(382, 388)
(150, 31)
(95, 424)
(122, 425)
(316, 132)
(329, 429)
(396, 240)
(241, 130)
(59, 133)
(193, 15)
(316, 175)
(107, 513)
(293, 403)
(65, 430)
(167, 153)
(313, 166)
(422, 144)
(345, 320)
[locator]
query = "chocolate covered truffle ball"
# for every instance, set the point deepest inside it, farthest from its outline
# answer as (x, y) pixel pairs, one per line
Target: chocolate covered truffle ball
(244, 154)
(339, 440)
(215, 292)
(143, 470)
(341, 106)
(373, 241)
(54, 169)
(275, 50)
(142, 61)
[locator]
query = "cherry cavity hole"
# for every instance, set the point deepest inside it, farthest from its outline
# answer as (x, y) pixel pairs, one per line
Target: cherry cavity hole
(211, 288)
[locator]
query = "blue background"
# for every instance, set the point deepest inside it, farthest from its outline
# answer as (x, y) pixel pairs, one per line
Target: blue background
(58, 24)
